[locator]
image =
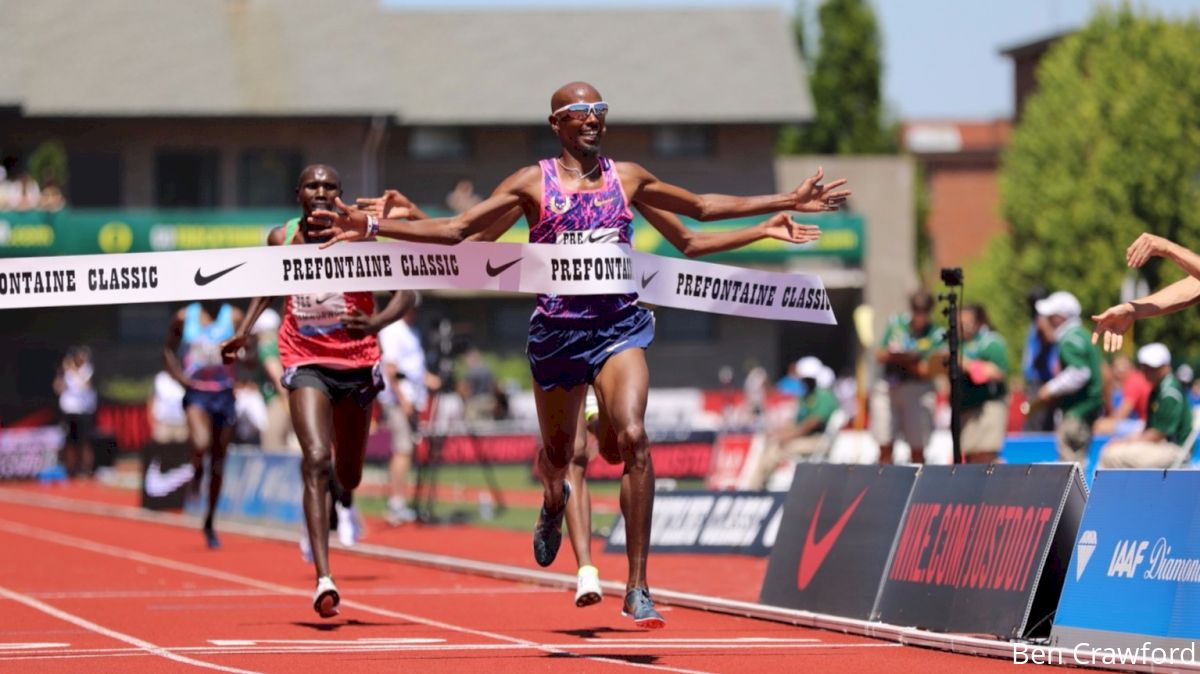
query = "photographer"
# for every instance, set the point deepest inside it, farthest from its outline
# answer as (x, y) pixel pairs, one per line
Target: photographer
(984, 388)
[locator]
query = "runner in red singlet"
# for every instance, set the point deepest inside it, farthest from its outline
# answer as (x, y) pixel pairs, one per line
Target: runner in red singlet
(330, 356)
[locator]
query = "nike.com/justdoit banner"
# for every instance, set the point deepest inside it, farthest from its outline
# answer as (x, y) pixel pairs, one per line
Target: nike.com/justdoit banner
(587, 269)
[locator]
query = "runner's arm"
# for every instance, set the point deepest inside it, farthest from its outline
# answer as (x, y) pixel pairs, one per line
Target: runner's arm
(811, 197)
(171, 347)
(231, 346)
(695, 244)
(512, 193)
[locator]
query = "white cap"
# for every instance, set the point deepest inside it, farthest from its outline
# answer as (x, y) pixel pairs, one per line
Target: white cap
(809, 367)
(1061, 303)
(268, 321)
(1154, 355)
(826, 378)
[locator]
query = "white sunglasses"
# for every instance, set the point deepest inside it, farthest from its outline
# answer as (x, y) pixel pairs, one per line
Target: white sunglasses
(582, 110)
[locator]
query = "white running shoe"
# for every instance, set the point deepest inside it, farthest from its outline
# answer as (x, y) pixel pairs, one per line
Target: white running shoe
(401, 515)
(326, 598)
(587, 587)
(349, 527)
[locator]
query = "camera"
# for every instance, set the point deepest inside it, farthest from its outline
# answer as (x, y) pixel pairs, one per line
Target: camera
(952, 276)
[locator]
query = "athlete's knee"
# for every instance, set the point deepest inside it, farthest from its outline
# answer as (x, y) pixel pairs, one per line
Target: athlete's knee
(631, 438)
(316, 466)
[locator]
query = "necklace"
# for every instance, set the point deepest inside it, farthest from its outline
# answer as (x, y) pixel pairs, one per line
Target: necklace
(577, 172)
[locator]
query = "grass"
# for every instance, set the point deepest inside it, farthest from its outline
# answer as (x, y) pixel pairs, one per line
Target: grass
(451, 502)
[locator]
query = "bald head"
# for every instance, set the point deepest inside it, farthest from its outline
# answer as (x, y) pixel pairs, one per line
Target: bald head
(574, 92)
(326, 172)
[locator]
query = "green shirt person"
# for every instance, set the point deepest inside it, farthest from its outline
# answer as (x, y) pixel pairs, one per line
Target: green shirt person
(984, 388)
(902, 404)
(806, 435)
(1163, 443)
(1077, 389)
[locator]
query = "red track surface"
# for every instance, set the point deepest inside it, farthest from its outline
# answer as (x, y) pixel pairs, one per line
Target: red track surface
(106, 594)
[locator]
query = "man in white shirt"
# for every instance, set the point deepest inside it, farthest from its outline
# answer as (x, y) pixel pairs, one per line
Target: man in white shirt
(403, 400)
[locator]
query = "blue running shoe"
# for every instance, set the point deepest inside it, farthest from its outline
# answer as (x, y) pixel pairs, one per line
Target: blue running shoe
(547, 533)
(210, 538)
(639, 607)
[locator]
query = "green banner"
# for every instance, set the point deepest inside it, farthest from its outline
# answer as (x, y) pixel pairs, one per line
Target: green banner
(92, 231)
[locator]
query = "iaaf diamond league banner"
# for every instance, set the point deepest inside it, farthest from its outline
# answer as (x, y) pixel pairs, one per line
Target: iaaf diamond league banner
(583, 269)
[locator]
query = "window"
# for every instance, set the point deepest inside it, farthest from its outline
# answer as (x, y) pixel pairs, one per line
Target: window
(268, 177)
(439, 143)
(683, 141)
(543, 143)
(95, 179)
(186, 179)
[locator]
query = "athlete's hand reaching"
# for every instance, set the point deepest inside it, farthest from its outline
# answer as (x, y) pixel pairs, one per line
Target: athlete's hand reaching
(1145, 247)
(359, 324)
(393, 205)
(813, 197)
(231, 349)
(346, 224)
(781, 226)
(1112, 325)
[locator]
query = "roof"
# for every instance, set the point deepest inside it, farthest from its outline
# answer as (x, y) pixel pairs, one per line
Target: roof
(1033, 47)
(436, 67)
(948, 136)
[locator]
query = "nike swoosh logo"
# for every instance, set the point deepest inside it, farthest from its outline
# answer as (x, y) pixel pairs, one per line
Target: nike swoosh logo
(604, 237)
(326, 298)
(496, 271)
(159, 484)
(202, 280)
(813, 553)
(647, 279)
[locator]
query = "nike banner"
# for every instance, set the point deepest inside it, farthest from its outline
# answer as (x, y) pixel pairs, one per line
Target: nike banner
(166, 473)
(838, 527)
(984, 549)
(258, 485)
(582, 269)
(709, 522)
(1135, 574)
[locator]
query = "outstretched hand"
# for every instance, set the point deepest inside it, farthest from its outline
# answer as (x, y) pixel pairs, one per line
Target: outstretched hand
(1145, 247)
(393, 205)
(346, 224)
(813, 197)
(781, 226)
(231, 348)
(1112, 325)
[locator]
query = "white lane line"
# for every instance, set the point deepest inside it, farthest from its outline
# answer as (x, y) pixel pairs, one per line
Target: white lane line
(32, 646)
(113, 634)
(123, 553)
(424, 648)
(709, 640)
(234, 592)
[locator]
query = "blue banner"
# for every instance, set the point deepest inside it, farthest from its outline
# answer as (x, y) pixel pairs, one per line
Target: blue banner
(258, 485)
(1135, 572)
(740, 523)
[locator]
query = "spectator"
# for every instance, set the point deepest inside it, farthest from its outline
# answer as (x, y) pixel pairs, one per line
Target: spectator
(23, 193)
(754, 386)
(985, 391)
(77, 402)
(805, 434)
(1077, 389)
(51, 198)
(1160, 445)
(251, 411)
(1037, 364)
(168, 424)
(406, 393)
(463, 196)
(902, 404)
(789, 384)
(1129, 399)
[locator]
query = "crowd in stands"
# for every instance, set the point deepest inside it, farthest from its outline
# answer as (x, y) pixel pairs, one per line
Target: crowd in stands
(19, 191)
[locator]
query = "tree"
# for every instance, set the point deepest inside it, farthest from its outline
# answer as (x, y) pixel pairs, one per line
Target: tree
(845, 84)
(1108, 147)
